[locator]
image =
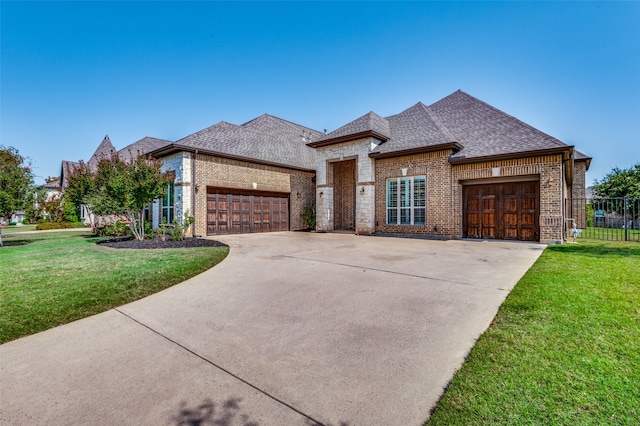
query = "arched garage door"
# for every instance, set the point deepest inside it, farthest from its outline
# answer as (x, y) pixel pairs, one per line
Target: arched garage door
(504, 211)
(239, 212)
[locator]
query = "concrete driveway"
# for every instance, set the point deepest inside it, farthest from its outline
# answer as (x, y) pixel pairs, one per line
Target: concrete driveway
(291, 329)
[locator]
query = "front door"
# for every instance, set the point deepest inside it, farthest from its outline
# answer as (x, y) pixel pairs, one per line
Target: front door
(344, 195)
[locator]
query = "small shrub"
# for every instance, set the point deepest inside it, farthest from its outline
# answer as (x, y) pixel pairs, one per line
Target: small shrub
(26, 222)
(148, 231)
(118, 229)
(175, 232)
(179, 232)
(53, 225)
(308, 215)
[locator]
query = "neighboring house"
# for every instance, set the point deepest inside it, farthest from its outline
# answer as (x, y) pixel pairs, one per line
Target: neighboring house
(51, 189)
(458, 168)
(106, 150)
(17, 217)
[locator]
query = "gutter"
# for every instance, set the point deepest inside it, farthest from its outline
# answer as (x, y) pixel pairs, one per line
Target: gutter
(173, 148)
(565, 150)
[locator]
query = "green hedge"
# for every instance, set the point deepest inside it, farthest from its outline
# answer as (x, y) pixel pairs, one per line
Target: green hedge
(58, 225)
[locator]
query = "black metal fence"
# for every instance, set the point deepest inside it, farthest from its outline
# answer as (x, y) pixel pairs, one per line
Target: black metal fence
(615, 219)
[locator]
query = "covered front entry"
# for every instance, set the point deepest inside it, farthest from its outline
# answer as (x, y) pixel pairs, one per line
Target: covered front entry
(344, 195)
(505, 211)
(239, 212)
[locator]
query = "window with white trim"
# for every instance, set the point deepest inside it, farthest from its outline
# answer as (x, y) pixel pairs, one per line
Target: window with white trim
(406, 200)
(168, 207)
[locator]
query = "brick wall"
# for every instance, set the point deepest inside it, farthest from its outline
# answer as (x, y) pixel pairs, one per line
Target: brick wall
(549, 170)
(439, 210)
(235, 174)
(578, 193)
(444, 190)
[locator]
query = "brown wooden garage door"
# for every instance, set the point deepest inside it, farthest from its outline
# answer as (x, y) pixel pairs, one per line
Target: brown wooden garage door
(236, 212)
(506, 211)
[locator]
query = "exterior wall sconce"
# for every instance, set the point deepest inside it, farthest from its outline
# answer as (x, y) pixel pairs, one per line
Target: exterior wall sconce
(321, 194)
(297, 194)
(362, 191)
(197, 188)
(255, 185)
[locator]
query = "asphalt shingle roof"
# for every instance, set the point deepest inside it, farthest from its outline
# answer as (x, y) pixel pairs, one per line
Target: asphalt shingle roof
(486, 131)
(414, 128)
(474, 127)
(104, 150)
(141, 147)
(266, 138)
(370, 122)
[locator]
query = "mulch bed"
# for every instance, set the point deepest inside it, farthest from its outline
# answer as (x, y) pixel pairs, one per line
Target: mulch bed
(128, 243)
(15, 243)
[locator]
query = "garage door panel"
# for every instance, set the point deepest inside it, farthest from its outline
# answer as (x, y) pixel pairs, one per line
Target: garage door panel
(246, 212)
(509, 211)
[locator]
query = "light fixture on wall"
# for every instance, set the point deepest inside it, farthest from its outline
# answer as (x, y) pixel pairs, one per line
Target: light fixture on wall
(362, 191)
(255, 185)
(321, 194)
(297, 194)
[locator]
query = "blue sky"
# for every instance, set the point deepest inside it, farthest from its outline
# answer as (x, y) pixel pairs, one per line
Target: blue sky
(72, 72)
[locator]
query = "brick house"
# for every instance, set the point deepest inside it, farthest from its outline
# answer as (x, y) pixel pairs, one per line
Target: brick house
(458, 168)
(253, 177)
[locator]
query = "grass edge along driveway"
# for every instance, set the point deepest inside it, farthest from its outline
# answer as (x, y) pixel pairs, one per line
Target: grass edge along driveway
(60, 277)
(564, 347)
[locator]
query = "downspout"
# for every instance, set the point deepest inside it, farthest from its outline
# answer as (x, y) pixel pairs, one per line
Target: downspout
(193, 191)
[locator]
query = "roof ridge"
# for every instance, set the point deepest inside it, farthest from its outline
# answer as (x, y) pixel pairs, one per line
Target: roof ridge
(282, 120)
(503, 113)
(438, 124)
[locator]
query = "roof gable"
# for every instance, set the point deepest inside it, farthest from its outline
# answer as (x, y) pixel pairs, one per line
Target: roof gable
(414, 128)
(104, 150)
(368, 125)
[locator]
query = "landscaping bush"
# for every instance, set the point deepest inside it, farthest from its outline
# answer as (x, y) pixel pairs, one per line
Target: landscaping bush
(43, 226)
(26, 222)
(308, 215)
(117, 229)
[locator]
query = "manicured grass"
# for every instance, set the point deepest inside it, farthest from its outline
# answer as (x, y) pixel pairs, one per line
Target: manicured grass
(12, 229)
(563, 349)
(63, 276)
(610, 234)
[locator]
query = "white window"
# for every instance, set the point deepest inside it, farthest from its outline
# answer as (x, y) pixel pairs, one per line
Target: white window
(406, 200)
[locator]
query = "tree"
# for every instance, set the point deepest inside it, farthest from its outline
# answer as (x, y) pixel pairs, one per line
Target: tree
(120, 188)
(80, 184)
(16, 181)
(52, 207)
(620, 183)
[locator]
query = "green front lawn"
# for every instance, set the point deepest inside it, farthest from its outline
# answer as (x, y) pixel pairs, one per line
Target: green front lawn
(63, 276)
(610, 234)
(12, 229)
(564, 348)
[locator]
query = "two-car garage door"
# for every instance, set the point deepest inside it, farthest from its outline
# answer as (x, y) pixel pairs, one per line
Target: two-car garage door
(507, 211)
(237, 212)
